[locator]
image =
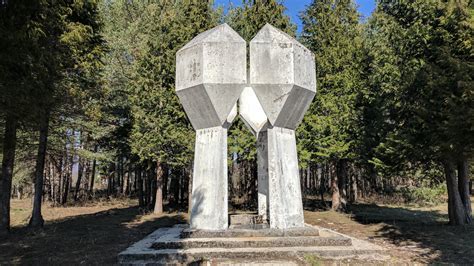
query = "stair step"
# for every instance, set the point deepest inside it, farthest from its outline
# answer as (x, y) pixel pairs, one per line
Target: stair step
(253, 242)
(250, 232)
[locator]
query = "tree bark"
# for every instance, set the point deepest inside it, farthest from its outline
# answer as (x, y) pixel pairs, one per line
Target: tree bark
(141, 202)
(36, 220)
(457, 213)
(159, 189)
(94, 163)
(8, 161)
(463, 184)
(80, 172)
(342, 167)
(336, 197)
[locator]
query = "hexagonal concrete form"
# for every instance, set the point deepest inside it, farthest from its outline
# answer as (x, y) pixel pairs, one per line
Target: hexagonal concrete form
(251, 111)
(210, 76)
(283, 76)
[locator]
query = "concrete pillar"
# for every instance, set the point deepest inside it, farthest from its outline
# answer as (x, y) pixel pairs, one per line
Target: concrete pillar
(286, 205)
(262, 161)
(209, 193)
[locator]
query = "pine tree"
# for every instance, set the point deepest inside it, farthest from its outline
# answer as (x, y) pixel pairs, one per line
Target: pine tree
(332, 31)
(431, 106)
(161, 133)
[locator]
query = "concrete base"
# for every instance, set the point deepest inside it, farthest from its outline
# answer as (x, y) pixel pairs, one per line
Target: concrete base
(285, 201)
(178, 245)
(209, 195)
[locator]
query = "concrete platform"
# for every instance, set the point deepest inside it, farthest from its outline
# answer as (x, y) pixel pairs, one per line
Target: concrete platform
(178, 245)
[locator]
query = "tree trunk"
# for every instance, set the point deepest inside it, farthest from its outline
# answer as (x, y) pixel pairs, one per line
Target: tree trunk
(322, 187)
(79, 179)
(463, 184)
(336, 197)
(36, 220)
(457, 213)
(341, 171)
(353, 185)
(8, 161)
(94, 163)
(141, 203)
(159, 189)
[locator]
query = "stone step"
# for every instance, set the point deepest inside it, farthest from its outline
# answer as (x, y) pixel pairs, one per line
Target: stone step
(246, 218)
(245, 232)
(177, 257)
(253, 242)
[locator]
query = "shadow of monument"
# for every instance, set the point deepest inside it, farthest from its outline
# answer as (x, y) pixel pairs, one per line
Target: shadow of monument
(424, 230)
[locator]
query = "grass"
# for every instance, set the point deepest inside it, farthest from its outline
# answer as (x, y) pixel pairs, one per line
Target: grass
(90, 235)
(95, 234)
(410, 234)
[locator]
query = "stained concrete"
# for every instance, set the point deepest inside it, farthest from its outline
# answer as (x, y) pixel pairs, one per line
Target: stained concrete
(143, 253)
(283, 76)
(211, 72)
(286, 204)
(209, 192)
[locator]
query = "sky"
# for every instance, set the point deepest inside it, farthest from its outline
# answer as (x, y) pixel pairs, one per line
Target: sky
(294, 7)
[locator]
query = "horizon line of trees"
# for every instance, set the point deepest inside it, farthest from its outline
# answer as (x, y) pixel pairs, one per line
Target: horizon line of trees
(88, 106)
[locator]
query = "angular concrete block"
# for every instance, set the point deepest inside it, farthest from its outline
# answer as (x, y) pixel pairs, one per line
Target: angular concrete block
(283, 76)
(284, 191)
(251, 111)
(209, 192)
(210, 76)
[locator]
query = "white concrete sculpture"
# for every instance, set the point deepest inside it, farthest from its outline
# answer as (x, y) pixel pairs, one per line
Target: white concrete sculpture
(283, 76)
(210, 76)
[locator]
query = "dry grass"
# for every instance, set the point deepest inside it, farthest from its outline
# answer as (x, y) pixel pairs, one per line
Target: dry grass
(95, 234)
(90, 235)
(410, 234)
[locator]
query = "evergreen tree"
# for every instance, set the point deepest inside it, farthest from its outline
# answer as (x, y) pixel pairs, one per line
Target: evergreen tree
(430, 113)
(161, 133)
(332, 31)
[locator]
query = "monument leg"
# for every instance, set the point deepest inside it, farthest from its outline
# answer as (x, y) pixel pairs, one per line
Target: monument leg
(262, 161)
(286, 205)
(209, 193)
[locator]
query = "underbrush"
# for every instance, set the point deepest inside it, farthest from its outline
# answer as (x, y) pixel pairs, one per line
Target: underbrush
(424, 196)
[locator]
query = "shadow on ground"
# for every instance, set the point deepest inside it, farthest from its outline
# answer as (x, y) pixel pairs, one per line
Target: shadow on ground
(92, 239)
(425, 230)
(421, 234)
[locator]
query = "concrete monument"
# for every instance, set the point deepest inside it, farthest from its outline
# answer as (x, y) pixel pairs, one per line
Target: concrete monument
(283, 77)
(211, 75)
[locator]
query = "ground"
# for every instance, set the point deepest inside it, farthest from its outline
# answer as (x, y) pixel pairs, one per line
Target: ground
(95, 234)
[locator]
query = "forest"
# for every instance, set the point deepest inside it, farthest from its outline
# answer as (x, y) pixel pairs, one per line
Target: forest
(88, 108)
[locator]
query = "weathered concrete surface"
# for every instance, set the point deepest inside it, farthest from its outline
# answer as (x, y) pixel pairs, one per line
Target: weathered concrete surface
(256, 242)
(283, 76)
(239, 233)
(211, 72)
(262, 175)
(209, 192)
(286, 204)
(210, 75)
(251, 111)
(142, 253)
